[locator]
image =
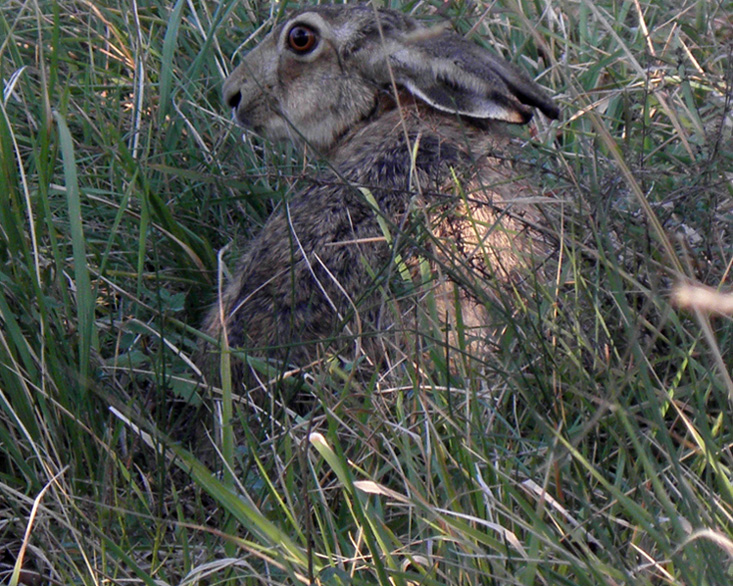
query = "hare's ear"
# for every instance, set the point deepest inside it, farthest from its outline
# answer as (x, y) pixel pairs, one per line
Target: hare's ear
(455, 75)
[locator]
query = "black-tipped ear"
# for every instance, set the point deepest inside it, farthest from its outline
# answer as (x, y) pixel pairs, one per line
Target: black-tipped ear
(455, 75)
(451, 96)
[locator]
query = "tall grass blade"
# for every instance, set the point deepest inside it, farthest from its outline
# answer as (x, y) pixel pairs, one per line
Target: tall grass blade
(85, 295)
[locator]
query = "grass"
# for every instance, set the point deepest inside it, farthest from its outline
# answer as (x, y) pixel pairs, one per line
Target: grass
(594, 449)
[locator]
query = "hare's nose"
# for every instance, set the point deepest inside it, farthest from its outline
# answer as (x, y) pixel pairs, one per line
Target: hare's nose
(232, 97)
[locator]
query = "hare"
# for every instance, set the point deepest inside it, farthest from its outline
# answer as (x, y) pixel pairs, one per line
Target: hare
(418, 195)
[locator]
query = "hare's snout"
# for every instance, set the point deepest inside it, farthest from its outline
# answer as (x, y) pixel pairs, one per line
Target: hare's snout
(232, 97)
(246, 113)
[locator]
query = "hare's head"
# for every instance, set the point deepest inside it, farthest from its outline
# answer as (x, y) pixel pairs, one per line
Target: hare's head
(327, 68)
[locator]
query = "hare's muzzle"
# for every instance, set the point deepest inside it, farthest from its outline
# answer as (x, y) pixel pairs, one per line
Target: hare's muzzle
(232, 96)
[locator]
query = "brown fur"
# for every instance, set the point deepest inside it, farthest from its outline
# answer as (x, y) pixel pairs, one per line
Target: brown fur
(321, 276)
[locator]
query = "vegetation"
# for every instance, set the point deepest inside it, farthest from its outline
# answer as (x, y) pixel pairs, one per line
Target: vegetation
(593, 449)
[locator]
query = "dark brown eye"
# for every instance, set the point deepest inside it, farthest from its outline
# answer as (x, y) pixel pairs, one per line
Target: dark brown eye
(302, 39)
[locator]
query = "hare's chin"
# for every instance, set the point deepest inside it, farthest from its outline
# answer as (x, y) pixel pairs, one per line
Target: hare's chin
(241, 119)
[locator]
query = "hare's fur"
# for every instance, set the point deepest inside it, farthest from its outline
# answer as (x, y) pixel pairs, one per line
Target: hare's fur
(411, 121)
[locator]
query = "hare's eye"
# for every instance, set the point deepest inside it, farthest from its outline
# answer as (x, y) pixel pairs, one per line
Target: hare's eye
(302, 39)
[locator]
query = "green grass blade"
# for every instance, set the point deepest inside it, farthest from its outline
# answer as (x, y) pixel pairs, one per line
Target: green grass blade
(85, 295)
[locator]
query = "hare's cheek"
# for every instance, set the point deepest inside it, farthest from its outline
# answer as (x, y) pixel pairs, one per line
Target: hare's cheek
(302, 104)
(307, 87)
